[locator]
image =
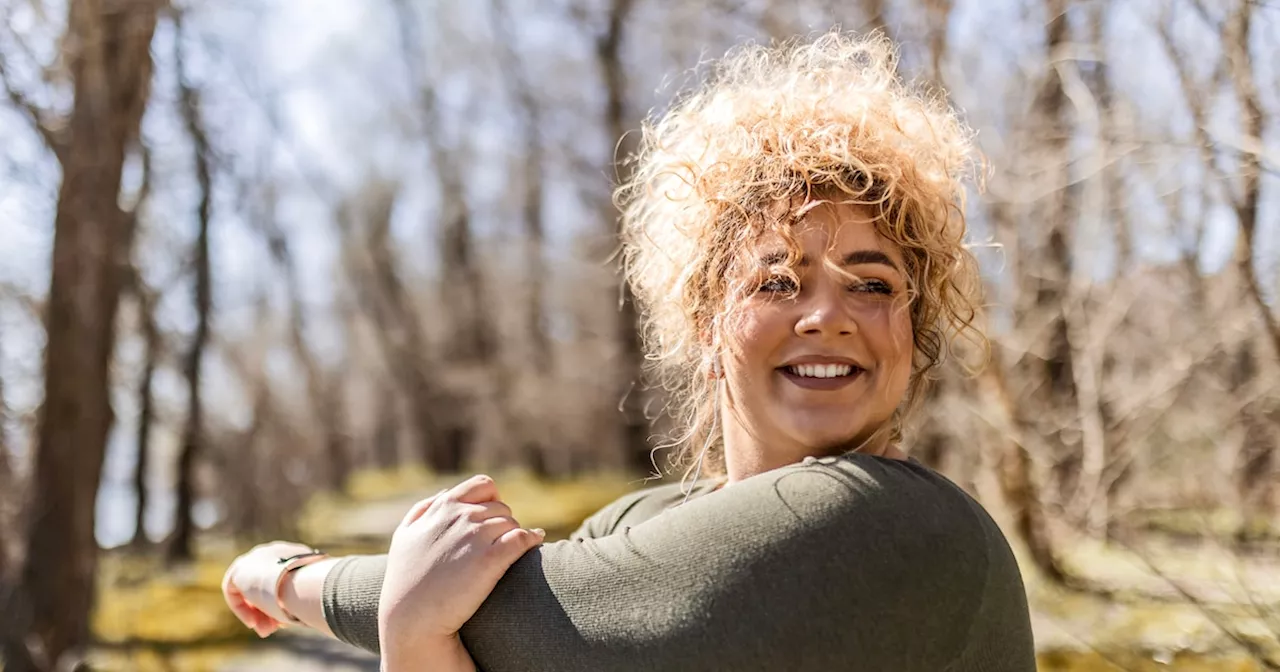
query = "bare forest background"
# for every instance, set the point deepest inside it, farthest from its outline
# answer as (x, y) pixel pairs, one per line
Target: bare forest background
(252, 248)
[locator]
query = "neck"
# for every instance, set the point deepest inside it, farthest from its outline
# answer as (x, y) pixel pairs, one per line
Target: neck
(747, 454)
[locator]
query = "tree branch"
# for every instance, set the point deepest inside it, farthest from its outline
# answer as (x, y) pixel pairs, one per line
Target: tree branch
(38, 118)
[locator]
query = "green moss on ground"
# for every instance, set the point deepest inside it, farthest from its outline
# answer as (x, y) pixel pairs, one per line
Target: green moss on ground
(1089, 661)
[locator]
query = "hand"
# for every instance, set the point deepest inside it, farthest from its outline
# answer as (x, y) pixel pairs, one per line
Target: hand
(249, 586)
(446, 556)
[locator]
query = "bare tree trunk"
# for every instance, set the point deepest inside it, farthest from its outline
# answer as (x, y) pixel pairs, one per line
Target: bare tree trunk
(1237, 30)
(1258, 448)
(8, 503)
(8, 602)
(1051, 405)
(146, 301)
(635, 427)
(180, 543)
(247, 511)
(146, 412)
(1020, 482)
(323, 391)
(939, 15)
(933, 441)
(6, 470)
(1090, 97)
(935, 438)
(875, 17)
(1257, 460)
(1043, 271)
(527, 430)
(9, 490)
(473, 340)
(336, 445)
(400, 336)
(531, 191)
(110, 64)
(386, 433)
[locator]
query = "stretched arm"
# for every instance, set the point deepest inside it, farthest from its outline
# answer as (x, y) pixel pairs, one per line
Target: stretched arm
(251, 582)
(848, 561)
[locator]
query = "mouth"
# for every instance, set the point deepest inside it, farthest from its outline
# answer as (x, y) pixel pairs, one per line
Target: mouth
(821, 376)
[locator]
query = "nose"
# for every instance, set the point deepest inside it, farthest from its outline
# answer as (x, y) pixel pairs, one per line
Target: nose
(823, 313)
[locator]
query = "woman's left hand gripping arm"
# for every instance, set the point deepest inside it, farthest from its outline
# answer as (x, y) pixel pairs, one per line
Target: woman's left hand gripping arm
(446, 556)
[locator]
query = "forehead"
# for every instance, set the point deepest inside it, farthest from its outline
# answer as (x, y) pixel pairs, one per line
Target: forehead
(826, 227)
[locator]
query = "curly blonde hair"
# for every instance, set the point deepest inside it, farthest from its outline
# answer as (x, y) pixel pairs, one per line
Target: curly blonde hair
(787, 124)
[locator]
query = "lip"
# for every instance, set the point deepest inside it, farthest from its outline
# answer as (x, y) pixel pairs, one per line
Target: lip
(826, 384)
(821, 359)
(822, 383)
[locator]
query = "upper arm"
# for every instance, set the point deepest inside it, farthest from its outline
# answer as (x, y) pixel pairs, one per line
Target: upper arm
(1000, 638)
(805, 567)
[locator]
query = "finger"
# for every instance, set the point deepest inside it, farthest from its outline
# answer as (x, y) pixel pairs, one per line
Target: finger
(486, 510)
(235, 600)
(474, 490)
(254, 619)
(515, 543)
(266, 626)
(227, 586)
(419, 508)
(241, 609)
(492, 529)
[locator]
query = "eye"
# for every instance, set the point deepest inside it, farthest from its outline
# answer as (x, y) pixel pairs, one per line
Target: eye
(872, 286)
(778, 284)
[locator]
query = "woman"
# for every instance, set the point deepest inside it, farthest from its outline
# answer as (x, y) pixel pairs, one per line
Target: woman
(794, 238)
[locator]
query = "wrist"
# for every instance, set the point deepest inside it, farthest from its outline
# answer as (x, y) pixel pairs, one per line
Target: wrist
(286, 593)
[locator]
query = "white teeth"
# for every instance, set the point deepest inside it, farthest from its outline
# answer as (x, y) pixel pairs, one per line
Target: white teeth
(821, 370)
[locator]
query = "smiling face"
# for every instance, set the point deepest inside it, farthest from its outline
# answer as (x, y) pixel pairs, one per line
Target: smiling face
(818, 363)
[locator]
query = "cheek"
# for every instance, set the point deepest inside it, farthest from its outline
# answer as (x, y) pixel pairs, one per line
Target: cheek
(904, 348)
(889, 332)
(754, 333)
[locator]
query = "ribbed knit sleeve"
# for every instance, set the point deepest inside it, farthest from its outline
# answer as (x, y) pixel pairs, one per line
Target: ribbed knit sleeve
(351, 593)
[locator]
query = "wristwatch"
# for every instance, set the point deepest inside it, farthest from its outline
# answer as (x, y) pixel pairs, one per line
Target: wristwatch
(291, 564)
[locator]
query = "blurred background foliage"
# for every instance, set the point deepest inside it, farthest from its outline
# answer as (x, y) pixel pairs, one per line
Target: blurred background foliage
(275, 269)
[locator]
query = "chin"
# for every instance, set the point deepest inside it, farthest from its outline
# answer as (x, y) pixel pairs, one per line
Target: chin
(833, 441)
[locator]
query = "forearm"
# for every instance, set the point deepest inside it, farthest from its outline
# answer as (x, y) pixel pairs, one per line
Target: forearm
(302, 594)
(351, 595)
(445, 655)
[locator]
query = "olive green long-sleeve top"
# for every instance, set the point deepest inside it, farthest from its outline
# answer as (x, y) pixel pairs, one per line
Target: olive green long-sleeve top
(844, 563)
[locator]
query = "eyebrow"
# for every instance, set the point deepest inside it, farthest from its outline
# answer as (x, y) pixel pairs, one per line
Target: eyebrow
(854, 258)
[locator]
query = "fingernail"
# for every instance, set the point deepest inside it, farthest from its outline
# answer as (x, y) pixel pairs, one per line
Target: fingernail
(539, 531)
